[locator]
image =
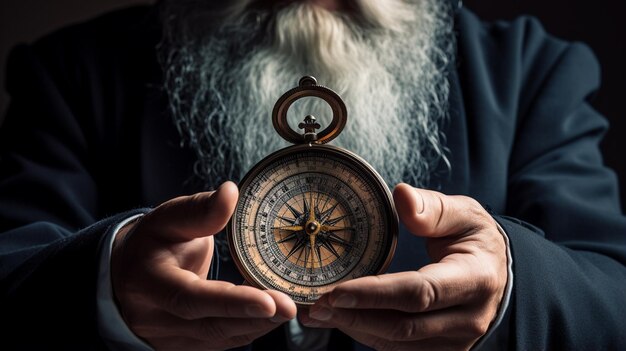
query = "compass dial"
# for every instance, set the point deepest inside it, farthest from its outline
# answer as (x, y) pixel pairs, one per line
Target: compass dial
(310, 217)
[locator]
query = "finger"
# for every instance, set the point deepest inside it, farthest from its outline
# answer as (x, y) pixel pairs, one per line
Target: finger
(433, 214)
(399, 326)
(286, 309)
(463, 279)
(428, 289)
(188, 217)
(184, 294)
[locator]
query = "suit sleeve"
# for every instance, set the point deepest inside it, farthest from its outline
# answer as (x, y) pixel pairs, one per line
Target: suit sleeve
(50, 235)
(567, 231)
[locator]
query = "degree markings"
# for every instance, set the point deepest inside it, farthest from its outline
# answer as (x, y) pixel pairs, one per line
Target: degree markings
(336, 245)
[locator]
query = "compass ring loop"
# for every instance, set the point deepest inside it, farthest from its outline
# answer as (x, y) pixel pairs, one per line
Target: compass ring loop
(308, 88)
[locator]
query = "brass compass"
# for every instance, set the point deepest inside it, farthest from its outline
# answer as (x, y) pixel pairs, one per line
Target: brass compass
(311, 215)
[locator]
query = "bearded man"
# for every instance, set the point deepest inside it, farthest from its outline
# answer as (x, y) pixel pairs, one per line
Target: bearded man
(145, 105)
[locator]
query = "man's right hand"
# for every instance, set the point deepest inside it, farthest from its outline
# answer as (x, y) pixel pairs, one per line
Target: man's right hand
(159, 269)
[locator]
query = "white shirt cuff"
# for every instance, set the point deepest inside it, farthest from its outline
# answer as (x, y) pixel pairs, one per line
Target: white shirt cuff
(507, 292)
(111, 325)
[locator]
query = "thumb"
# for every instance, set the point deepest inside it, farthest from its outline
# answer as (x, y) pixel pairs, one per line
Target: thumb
(433, 214)
(188, 217)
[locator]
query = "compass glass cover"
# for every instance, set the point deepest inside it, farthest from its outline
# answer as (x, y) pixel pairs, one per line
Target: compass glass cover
(310, 217)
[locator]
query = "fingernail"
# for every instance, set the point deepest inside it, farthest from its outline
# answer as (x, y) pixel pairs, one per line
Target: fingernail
(255, 311)
(345, 301)
(321, 314)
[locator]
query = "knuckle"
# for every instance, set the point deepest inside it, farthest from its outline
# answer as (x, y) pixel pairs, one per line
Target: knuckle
(425, 296)
(472, 203)
(488, 281)
(441, 202)
(478, 327)
(379, 297)
(492, 284)
(472, 206)
(405, 330)
(468, 201)
(443, 213)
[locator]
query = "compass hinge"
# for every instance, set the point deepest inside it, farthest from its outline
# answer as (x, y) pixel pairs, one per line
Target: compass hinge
(310, 126)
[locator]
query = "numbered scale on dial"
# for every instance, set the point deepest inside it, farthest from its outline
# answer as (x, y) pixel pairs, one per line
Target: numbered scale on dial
(311, 215)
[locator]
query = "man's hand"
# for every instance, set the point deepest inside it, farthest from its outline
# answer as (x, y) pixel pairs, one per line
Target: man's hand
(448, 304)
(159, 269)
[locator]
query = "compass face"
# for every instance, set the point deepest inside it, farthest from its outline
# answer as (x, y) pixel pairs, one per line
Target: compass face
(310, 217)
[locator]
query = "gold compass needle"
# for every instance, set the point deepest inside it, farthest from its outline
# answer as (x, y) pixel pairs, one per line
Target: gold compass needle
(312, 242)
(311, 209)
(290, 228)
(332, 228)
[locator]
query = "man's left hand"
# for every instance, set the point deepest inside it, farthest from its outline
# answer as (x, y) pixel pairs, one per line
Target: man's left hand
(448, 304)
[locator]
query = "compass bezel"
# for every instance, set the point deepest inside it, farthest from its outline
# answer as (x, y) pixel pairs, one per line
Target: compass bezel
(343, 155)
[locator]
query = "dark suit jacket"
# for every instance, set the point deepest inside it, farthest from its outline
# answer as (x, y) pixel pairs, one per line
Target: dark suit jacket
(88, 137)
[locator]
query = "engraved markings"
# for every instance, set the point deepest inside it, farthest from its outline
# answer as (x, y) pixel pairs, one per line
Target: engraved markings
(346, 233)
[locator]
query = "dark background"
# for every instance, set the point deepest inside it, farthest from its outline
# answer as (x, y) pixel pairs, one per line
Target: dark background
(600, 23)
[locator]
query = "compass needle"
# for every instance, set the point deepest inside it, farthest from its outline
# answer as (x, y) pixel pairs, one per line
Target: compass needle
(306, 256)
(311, 209)
(290, 228)
(312, 242)
(330, 228)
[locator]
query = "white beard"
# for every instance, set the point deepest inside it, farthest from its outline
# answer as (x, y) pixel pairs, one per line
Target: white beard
(388, 60)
